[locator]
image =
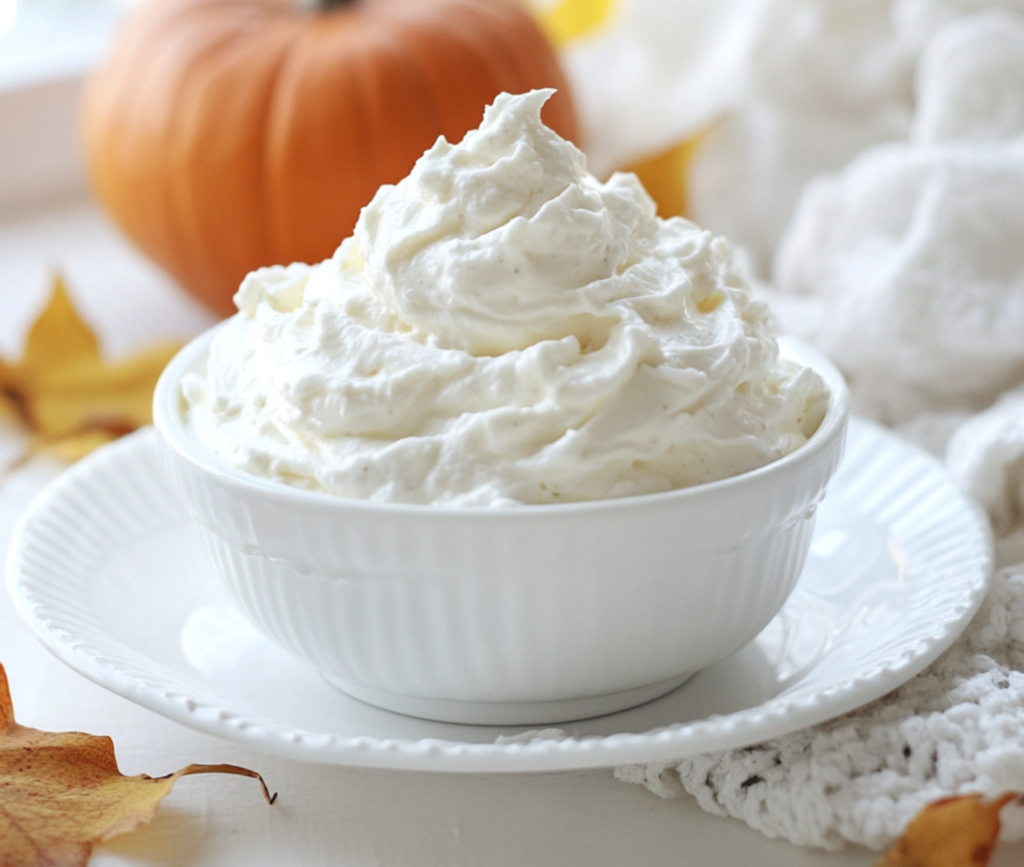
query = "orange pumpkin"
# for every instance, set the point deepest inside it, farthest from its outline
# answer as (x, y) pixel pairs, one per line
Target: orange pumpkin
(223, 135)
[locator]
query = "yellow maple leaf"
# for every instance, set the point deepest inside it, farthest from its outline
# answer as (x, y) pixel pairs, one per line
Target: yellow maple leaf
(952, 832)
(665, 174)
(567, 20)
(68, 396)
(62, 792)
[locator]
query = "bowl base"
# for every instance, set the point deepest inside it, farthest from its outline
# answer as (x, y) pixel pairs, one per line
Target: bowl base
(508, 712)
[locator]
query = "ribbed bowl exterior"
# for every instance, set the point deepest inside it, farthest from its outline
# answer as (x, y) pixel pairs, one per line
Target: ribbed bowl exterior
(530, 604)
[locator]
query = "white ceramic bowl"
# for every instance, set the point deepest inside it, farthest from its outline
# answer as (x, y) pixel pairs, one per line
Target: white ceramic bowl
(526, 615)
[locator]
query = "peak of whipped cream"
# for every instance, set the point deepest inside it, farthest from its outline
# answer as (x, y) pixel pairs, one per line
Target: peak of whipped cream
(486, 243)
(503, 328)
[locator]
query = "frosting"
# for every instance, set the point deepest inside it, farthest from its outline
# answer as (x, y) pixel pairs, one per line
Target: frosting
(911, 255)
(502, 328)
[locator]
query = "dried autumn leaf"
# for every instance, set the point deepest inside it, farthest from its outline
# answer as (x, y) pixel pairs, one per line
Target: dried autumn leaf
(70, 398)
(7, 410)
(62, 792)
(953, 832)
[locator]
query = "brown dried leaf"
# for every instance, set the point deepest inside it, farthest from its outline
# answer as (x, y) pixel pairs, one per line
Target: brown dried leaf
(8, 413)
(62, 792)
(67, 395)
(953, 832)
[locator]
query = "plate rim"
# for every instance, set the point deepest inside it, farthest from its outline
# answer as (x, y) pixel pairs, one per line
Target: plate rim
(769, 720)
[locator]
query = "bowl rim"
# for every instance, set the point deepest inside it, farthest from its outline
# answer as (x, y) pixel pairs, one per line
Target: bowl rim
(169, 423)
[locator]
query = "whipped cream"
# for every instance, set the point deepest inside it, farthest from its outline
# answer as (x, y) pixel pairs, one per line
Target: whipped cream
(504, 329)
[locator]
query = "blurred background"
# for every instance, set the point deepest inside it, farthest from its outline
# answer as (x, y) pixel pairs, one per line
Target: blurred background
(866, 155)
(46, 49)
(49, 222)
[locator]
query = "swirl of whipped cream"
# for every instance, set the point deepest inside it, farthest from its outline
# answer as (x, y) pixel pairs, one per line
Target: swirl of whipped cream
(503, 328)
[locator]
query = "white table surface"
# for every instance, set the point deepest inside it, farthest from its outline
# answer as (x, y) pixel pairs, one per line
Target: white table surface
(324, 815)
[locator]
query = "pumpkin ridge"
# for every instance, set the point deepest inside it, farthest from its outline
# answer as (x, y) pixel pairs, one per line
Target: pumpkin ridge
(497, 57)
(301, 198)
(209, 211)
(464, 51)
(278, 154)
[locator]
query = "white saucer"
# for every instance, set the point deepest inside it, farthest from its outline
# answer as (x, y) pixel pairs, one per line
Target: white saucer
(106, 569)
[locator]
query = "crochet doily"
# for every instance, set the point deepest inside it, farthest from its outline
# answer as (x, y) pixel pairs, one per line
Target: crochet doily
(957, 727)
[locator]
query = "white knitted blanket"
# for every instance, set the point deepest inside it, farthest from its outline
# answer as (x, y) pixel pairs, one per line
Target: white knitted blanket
(907, 267)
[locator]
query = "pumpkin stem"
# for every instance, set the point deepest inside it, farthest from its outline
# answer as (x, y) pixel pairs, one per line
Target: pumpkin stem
(323, 5)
